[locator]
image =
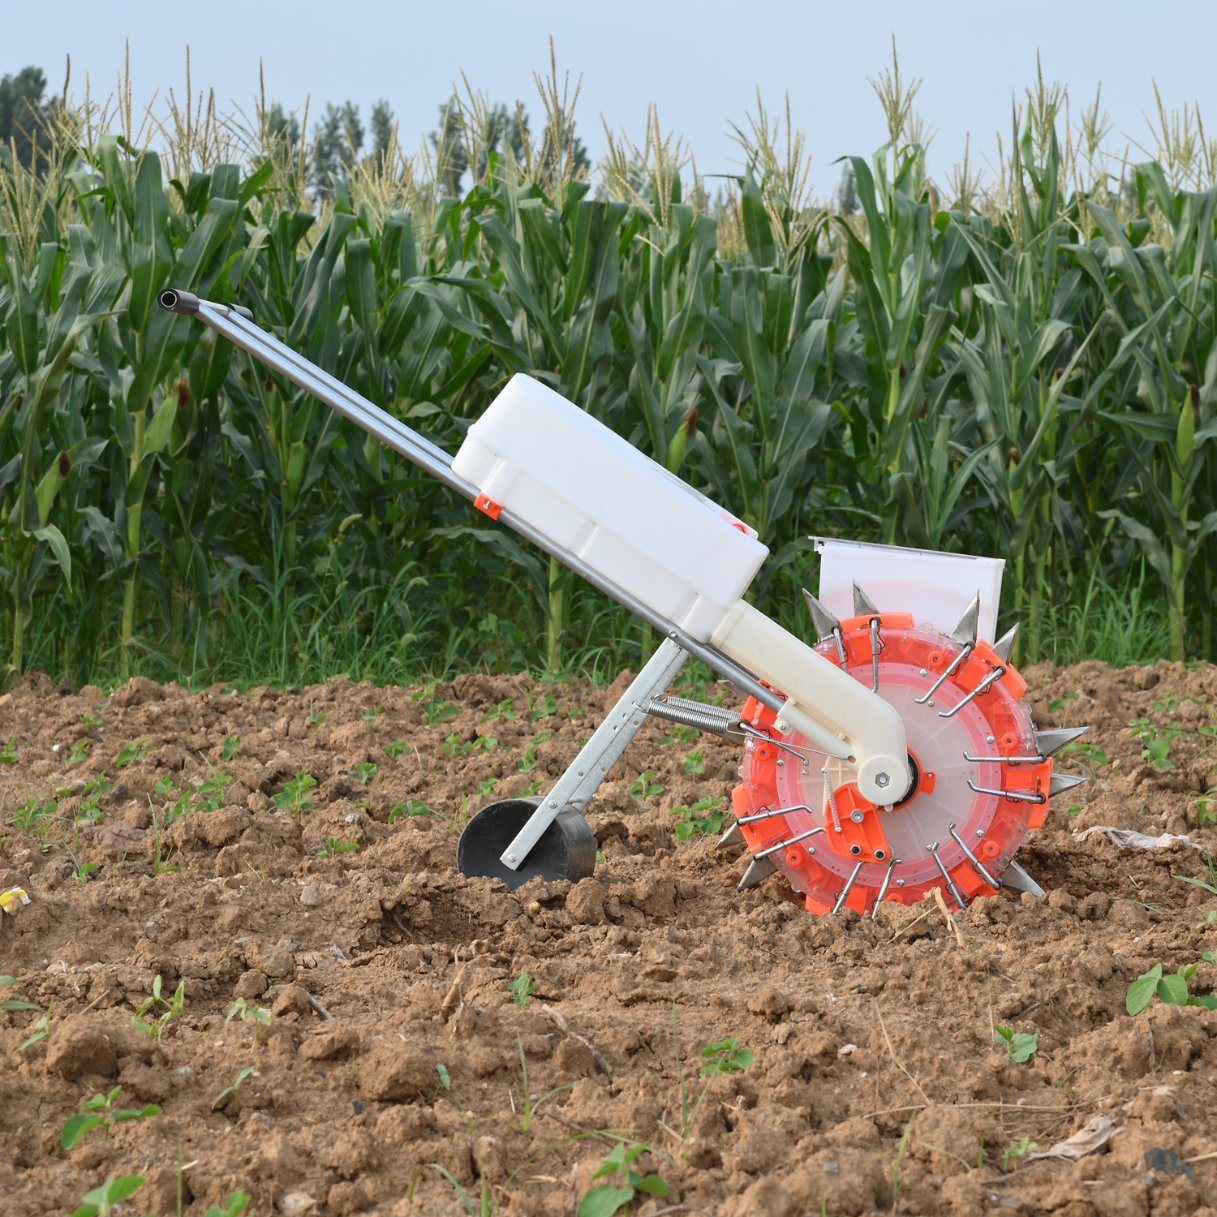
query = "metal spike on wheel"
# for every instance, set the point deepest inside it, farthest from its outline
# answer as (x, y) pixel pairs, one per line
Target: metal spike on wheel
(982, 774)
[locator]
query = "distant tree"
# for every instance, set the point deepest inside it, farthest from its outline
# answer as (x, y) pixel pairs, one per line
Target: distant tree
(281, 127)
(449, 144)
(383, 124)
(503, 130)
(337, 142)
(24, 114)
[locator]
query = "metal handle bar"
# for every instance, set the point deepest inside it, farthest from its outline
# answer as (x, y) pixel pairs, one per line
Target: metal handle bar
(236, 324)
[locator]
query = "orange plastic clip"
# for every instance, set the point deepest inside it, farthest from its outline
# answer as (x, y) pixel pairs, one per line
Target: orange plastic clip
(487, 505)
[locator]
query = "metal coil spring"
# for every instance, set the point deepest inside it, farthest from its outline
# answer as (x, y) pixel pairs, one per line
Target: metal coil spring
(715, 720)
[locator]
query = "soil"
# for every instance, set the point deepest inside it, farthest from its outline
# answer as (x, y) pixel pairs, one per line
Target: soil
(398, 1074)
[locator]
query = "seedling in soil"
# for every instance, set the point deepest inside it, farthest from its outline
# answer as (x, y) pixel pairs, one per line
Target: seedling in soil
(38, 1032)
(1155, 742)
(104, 1201)
(247, 1012)
(706, 817)
(532, 1102)
(618, 1196)
(1021, 1045)
(365, 771)
(521, 989)
(645, 786)
(14, 1003)
(100, 1112)
(488, 786)
(722, 1057)
(9, 755)
(680, 735)
(1209, 885)
(90, 721)
(1206, 811)
(33, 815)
(335, 845)
(227, 1093)
(455, 746)
(234, 1206)
(230, 748)
(694, 763)
(505, 710)
(529, 760)
(90, 809)
(80, 750)
(373, 714)
(898, 1166)
(482, 1206)
(294, 795)
(134, 751)
(85, 871)
(170, 1009)
(396, 748)
(1091, 754)
(411, 807)
(1172, 988)
(445, 1078)
(1015, 1152)
(543, 707)
(316, 719)
(435, 709)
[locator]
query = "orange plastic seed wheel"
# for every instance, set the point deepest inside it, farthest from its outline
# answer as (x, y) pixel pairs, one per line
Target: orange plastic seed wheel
(982, 777)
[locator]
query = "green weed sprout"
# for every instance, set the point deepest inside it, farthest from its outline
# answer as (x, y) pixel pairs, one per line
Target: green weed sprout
(521, 989)
(104, 1201)
(100, 1112)
(1171, 988)
(610, 1198)
(171, 1012)
(1021, 1046)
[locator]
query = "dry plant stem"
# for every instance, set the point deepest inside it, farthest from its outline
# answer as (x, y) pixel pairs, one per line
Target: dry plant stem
(455, 997)
(905, 929)
(564, 1026)
(316, 1005)
(946, 915)
(887, 1039)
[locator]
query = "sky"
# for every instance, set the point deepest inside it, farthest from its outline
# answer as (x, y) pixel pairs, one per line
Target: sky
(702, 64)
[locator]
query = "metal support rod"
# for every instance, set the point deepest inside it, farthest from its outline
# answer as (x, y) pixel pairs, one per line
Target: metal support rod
(775, 811)
(585, 773)
(951, 670)
(849, 883)
(1015, 796)
(946, 874)
(984, 686)
(773, 849)
(887, 881)
(227, 320)
(976, 864)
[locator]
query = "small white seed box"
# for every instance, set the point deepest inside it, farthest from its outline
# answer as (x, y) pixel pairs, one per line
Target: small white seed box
(935, 587)
(597, 497)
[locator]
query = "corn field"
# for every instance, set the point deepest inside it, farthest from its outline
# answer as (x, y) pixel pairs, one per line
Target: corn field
(1031, 375)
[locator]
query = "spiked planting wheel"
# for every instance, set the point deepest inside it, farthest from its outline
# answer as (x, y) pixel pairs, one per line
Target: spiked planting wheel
(982, 775)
